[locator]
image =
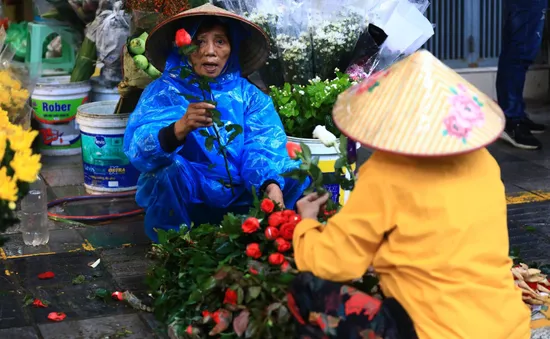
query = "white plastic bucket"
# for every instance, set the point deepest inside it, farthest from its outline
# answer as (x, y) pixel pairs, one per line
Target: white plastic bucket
(106, 167)
(55, 101)
(327, 160)
(102, 93)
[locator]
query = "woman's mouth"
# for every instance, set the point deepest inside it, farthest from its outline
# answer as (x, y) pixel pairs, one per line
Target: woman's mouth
(210, 67)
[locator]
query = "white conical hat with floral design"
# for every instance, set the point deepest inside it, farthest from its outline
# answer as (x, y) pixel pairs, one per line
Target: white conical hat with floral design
(419, 107)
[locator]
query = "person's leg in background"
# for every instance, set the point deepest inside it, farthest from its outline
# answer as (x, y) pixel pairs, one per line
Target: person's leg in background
(521, 41)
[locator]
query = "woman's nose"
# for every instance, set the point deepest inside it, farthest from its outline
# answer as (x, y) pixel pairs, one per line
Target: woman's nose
(209, 48)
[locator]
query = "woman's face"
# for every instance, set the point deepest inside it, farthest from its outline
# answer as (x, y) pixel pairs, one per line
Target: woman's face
(214, 50)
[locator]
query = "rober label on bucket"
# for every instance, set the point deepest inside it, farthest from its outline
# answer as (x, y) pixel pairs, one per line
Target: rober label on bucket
(57, 123)
(55, 102)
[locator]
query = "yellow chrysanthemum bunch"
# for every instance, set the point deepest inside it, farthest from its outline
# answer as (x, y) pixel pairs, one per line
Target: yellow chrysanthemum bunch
(13, 96)
(18, 163)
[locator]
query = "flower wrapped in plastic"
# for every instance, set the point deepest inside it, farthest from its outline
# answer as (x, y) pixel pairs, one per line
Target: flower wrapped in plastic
(19, 166)
(16, 84)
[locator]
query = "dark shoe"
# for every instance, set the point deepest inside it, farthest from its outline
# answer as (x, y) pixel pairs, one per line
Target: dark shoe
(533, 126)
(519, 135)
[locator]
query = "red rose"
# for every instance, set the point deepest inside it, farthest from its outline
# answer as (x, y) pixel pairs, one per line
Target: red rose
(285, 267)
(287, 231)
(292, 148)
(183, 38)
(253, 270)
(38, 303)
(230, 297)
(289, 214)
(295, 219)
(271, 233)
(276, 259)
(282, 245)
(253, 250)
(251, 225)
(205, 313)
(276, 219)
(216, 316)
(57, 316)
(189, 329)
(267, 206)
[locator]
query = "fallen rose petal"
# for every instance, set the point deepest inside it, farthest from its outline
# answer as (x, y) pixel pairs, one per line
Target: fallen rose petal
(117, 296)
(57, 316)
(95, 263)
(38, 303)
(46, 275)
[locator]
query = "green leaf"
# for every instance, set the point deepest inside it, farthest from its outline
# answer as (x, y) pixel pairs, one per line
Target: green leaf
(188, 49)
(316, 175)
(28, 300)
(204, 133)
(306, 151)
(162, 236)
(343, 145)
(79, 280)
(209, 284)
(190, 97)
(254, 291)
(240, 296)
(340, 163)
(195, 297)
(185, 73)
(209, 143)
(236, 130)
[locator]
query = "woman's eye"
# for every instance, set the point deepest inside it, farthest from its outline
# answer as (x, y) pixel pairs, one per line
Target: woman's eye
(220, 42)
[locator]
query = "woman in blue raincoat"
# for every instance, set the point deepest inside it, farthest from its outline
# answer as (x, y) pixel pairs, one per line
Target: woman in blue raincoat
(182, 182)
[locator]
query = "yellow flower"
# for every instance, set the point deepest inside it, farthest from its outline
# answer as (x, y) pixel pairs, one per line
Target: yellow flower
(8, 186)
(26, 165)
(2, 145)
(20, 139)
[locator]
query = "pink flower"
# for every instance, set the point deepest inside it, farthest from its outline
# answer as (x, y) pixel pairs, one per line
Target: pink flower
(456, 127)
(466, 109)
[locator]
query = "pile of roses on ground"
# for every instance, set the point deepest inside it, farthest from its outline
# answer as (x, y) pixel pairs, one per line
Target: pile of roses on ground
(230, 280)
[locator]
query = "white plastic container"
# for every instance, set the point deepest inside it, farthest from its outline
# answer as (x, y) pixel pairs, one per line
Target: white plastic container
(55, 101)
(106, 167)
(100, 92)
(327, 160)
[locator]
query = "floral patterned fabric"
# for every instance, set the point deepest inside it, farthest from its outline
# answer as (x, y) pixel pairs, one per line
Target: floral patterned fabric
(326, 309)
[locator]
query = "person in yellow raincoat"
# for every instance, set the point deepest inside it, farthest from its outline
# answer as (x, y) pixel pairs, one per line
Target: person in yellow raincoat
(428, 212)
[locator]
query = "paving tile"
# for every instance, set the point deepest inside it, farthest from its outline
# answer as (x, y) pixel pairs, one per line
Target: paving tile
(61, 293)
(116, 235)
(529, 231)
(128, 266)
(11, 311)
(108, 327)
(19, 333)
(60, 241)
(156, 327)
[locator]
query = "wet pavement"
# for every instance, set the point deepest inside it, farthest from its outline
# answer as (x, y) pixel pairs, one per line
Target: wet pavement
(122, 246)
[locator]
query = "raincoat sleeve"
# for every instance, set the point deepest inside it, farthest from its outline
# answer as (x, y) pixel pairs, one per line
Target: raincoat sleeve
(158, 108)
(264, 154)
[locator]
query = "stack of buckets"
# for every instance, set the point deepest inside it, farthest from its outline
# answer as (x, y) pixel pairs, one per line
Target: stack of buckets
(69, 125)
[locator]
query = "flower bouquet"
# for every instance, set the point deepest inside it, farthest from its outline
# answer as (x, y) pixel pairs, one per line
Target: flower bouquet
(231, 280)
(18, 167)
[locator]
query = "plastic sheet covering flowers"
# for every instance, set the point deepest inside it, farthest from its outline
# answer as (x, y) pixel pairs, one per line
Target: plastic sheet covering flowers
(311, 38)
(15, 86)
(19, 167)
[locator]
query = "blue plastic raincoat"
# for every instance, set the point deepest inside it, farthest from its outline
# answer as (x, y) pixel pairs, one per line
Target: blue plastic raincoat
(183, 187)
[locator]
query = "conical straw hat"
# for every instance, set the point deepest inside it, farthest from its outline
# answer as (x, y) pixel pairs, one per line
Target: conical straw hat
(253, 53)
(419, 107)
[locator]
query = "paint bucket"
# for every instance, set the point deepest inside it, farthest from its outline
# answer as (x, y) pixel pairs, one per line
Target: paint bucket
(106, 167)
(55, 101)
(100, 92)
(327, 160)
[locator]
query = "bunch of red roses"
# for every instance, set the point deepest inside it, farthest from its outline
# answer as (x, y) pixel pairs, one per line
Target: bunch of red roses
(278, 232)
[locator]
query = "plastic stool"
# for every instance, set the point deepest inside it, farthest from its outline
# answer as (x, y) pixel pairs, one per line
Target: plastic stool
(35, 47)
